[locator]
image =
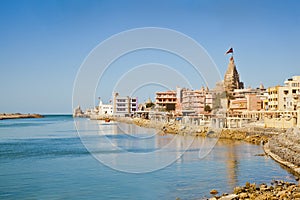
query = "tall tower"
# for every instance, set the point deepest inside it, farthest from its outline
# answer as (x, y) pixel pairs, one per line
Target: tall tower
(231, 78)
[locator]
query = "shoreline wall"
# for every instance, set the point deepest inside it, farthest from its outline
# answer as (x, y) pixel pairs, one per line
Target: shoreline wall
(285, 148)
(254, 135)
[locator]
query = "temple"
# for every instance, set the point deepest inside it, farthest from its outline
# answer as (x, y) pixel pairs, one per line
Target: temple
(231, 78)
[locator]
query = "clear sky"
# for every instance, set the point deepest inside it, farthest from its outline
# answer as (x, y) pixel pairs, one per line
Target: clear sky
(43, 43)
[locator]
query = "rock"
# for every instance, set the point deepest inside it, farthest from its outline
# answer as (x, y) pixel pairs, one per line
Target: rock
(229, 197)
(243, 195)
(237, 190)
(214, 192)
(296, 195)
(247, 185)
(263, 186)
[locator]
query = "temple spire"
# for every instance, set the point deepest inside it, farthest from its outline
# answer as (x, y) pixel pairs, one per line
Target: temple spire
(231, 78)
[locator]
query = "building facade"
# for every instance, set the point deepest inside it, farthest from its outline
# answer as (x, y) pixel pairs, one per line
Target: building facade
(196, 100)
(166, 100)
(285, 98)
(124, 106)
(105, 109)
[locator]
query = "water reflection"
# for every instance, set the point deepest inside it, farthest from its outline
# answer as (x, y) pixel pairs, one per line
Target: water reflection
(53, 159)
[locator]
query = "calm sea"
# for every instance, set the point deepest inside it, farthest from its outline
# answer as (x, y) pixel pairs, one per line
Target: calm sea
(47, 159)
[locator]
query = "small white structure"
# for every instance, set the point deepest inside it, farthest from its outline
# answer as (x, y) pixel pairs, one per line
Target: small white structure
(105, 109)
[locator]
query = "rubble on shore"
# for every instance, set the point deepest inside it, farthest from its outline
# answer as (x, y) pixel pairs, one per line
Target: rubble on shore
(276, 190)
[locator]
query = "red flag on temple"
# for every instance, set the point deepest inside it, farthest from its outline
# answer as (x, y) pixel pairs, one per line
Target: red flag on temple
(229, 51)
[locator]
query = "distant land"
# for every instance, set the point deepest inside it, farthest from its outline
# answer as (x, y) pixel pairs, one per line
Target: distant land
(18, 116)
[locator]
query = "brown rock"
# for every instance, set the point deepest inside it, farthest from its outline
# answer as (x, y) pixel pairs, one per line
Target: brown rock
(214, 192)
(296, 195)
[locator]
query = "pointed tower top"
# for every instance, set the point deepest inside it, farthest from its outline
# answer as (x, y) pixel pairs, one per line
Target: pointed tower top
(231, 78)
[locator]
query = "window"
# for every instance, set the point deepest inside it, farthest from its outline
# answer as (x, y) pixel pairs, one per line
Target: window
(121, 100)
(294, 91)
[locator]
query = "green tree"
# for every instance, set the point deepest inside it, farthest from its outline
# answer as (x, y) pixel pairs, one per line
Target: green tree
(207, 108)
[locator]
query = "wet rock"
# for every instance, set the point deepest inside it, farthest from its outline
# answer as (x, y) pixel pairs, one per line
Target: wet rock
(214, 192)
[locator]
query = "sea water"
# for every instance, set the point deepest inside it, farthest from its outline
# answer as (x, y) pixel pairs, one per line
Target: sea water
(55, 158)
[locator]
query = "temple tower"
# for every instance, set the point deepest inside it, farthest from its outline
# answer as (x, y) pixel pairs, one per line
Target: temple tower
(231, 78)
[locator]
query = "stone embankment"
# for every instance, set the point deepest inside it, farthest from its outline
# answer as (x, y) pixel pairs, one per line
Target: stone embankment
(277, 190)
(285, 149)
(18, 116)
(252, 135)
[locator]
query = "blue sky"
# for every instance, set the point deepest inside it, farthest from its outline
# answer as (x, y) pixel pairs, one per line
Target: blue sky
(43, 43)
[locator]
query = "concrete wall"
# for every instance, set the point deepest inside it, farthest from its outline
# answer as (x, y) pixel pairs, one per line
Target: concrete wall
(280, 122)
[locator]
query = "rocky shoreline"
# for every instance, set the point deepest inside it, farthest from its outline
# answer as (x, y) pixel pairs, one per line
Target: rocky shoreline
(285, 149)
(4, 116)
(254, 135)
(275, 190)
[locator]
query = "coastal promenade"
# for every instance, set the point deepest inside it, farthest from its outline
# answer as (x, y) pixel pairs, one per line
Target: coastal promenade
(18, 116)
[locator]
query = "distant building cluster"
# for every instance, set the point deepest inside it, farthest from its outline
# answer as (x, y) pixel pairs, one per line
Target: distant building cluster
(278, 106)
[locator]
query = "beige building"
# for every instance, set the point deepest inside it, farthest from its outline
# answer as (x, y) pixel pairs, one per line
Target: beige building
(285, 98)
(275, 99)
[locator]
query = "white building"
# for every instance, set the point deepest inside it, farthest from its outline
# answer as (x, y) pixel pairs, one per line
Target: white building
(124, 106)
(105, 109)
(291, 93)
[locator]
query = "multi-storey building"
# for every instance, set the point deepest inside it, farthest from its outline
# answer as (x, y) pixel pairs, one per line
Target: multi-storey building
(251, 102)
(285, 98)
(291, 93)
(195, 100)
(275, 99)
(124, 106)
(166, 100)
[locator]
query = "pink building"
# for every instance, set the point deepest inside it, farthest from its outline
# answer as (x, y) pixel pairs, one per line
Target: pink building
(166, 100)
(196, 100)
(251, 102)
